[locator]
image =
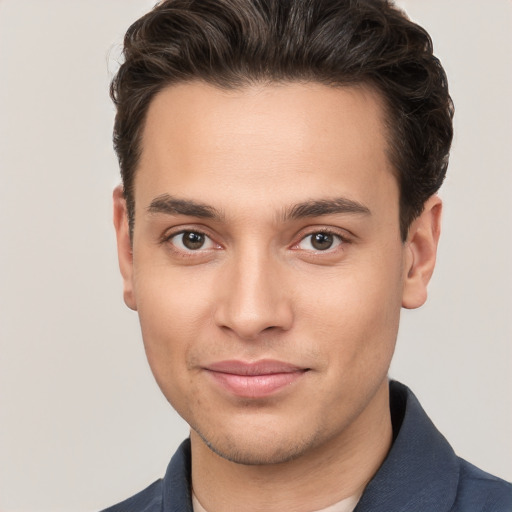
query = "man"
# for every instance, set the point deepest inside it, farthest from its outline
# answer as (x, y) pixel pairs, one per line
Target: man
(280, 164)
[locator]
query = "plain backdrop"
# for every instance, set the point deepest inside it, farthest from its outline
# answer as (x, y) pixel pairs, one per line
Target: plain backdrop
(82, 424)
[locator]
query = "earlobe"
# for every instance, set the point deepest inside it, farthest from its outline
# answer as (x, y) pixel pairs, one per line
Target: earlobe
(124, 246)
(421, 251)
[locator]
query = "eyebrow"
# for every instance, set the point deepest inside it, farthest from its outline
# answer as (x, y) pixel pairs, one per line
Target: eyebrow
(174, 206)
(317, 208)
(169, 205)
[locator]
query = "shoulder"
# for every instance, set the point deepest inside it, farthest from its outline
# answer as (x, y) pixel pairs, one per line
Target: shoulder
(148, 500)
(478, 490)
(422, 471)
(172, 493)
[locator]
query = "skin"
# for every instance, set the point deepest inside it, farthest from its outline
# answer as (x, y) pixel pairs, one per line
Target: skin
(258, 288)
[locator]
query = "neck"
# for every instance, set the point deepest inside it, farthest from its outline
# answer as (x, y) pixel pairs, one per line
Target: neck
(341, 467)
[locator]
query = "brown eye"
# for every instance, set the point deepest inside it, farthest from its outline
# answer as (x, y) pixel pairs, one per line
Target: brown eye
(320, 241)
(191, 241)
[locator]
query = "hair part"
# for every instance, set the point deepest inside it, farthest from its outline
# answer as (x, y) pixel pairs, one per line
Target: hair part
(236, 43)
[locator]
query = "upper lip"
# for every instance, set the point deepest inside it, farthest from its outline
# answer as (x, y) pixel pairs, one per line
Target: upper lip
(261, 367)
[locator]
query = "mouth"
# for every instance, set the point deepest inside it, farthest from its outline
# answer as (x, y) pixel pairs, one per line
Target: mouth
(258, 379)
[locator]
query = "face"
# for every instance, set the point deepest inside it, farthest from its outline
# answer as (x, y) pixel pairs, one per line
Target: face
(267, 266)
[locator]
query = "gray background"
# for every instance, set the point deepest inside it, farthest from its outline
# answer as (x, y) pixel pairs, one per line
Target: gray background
(82, 424)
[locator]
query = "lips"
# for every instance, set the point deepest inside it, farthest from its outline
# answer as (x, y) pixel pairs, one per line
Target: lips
(254, 380)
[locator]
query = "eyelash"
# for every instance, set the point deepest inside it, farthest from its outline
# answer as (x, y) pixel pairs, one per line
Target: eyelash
(342, 239)
(167, 237)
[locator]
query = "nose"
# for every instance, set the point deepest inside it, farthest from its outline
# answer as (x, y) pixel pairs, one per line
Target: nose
(253, 296)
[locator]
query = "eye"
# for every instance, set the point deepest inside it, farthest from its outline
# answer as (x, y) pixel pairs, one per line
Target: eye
(320, 241)
(191, 241)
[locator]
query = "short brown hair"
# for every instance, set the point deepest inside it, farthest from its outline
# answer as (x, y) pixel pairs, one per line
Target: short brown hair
(232, 43)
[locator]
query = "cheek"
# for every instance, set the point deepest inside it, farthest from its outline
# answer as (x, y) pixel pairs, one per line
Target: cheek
(356, 312)
(172, 311)
(170, 299)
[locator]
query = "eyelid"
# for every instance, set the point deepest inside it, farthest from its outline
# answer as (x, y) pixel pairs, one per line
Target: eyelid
(183, 228)
(170, 233)
(336, 242)
(208, 243)
(341, 234)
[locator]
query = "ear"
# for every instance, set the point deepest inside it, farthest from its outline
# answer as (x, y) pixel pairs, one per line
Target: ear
(124, 246)
(421, 251)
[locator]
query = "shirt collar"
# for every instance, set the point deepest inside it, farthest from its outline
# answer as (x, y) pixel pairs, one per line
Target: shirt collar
(421, 471)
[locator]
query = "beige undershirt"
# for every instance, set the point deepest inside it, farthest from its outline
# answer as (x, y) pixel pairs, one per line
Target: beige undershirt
(346, 505)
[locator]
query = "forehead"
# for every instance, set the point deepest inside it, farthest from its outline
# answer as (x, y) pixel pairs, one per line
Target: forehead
(261, 139)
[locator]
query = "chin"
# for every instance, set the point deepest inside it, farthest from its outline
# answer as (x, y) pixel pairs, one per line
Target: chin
(251, 450)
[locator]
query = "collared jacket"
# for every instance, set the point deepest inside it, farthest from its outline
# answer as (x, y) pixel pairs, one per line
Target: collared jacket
(420, 474)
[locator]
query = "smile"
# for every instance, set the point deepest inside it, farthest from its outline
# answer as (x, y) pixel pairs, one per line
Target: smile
(254, 380)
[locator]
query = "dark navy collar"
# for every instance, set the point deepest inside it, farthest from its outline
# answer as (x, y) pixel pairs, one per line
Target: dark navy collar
(177, 485)
(421, 471)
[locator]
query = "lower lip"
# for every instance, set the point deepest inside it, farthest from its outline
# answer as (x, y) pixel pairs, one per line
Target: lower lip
(255, 386)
